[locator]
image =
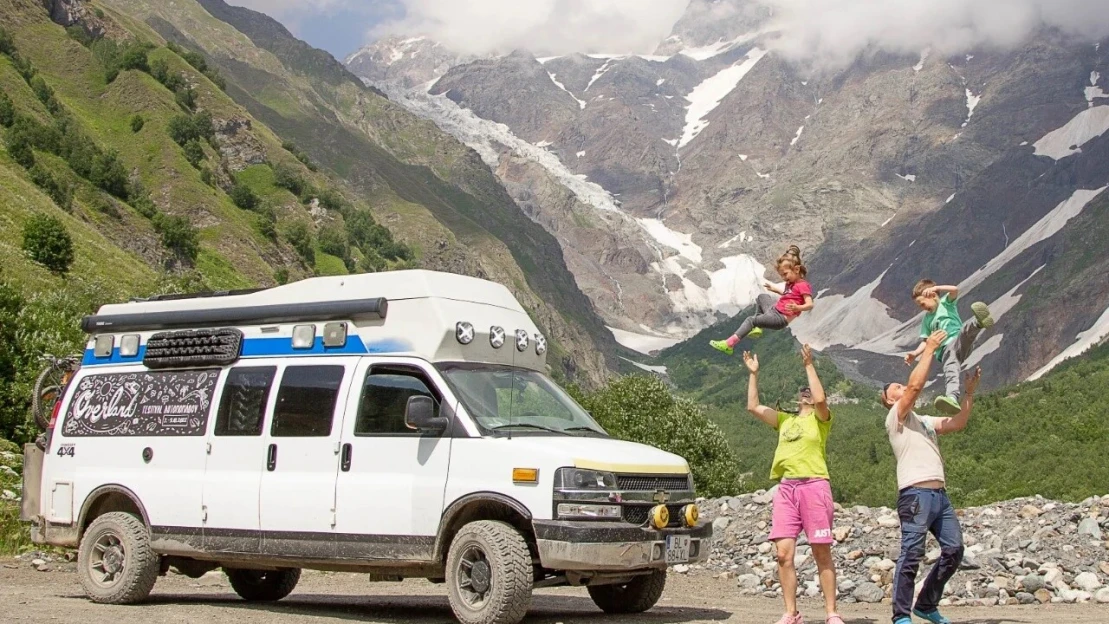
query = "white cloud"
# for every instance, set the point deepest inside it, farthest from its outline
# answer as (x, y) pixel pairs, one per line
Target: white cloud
(546, 27)
(833, 33)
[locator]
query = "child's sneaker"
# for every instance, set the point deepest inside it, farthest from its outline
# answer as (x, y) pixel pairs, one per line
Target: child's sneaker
(722, 346)
(903, 620)
(982, 314)
(932, 616)
(755, 333)
(947, 405)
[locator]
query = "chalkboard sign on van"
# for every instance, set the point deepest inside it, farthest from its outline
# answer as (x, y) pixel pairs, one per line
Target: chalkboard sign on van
(142, 404)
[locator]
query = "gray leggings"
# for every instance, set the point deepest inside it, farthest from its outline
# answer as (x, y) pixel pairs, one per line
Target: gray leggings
(953, 356)
(765, 317)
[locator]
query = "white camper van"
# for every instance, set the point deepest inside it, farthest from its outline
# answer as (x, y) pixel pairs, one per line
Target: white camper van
(396, 424)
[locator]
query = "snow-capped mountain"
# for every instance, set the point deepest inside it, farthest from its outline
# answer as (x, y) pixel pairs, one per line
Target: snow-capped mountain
(673, 180)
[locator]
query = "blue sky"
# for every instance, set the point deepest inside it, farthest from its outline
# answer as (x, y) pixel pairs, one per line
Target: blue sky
(338, 26)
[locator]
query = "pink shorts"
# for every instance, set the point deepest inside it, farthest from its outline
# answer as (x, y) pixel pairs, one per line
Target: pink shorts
(803, 504)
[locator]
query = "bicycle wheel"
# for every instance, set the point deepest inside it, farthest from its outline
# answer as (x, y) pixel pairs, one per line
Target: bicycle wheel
(48, 389)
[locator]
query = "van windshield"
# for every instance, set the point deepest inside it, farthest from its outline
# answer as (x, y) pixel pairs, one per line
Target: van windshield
(503, 400)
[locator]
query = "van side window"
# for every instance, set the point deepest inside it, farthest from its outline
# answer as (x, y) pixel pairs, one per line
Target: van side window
(306, 401)
(242, 407)
(385, 395)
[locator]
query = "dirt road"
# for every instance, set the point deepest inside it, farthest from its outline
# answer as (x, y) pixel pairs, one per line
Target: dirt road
(56, 596)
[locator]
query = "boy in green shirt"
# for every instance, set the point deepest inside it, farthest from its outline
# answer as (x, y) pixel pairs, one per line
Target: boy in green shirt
(941, 312)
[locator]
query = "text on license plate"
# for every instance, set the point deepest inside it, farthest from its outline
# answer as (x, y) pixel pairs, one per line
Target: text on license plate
(677, 548)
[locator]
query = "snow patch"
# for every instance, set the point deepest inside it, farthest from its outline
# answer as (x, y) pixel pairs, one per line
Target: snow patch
(658, 370)
(886, 222)
(706, 96)
(908, 178)
(1089, 338)
(743, 157)
(1086, 126)
(1093, 91)
(1043, 229)
(703, 53)
(844, 320)
(581, 154)
(683, 243)
(923, 57)
(950, 198)
(600, 72)
(547, 59)
(642, 343)
(982, 350)
(660, 81)
(672, 142)
(797, 137)
(764, 176)
(972, 103)
(581, 103)
(544, 144)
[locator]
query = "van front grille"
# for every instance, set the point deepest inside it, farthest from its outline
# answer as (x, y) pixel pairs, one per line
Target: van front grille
(639, 514)
(652, 483)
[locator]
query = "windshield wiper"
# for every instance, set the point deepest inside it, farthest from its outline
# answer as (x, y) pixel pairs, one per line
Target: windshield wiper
(589, 429)
(528, 425)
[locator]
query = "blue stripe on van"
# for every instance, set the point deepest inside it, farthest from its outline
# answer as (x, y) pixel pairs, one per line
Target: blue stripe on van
(275, 346)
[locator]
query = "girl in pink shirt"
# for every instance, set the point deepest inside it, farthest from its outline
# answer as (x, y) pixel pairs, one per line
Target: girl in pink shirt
(796, 297)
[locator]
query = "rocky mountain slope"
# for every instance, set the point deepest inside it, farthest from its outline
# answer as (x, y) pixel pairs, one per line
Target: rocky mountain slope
(298, 150)
(673, 180)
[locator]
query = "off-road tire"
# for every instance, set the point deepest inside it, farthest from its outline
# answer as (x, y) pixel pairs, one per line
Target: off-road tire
(635, 596)
(512, 576)
(263, 585)
(140, 563)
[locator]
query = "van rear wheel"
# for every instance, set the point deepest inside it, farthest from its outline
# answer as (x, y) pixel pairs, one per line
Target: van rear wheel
(635, 596)
(115, 562)
(489, 574)
(263, 585)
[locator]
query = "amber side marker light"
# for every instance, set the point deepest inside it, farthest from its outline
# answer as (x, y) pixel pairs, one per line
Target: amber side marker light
(525, 475)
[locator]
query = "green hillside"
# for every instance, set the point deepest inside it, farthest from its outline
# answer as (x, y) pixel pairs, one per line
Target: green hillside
(182, 152)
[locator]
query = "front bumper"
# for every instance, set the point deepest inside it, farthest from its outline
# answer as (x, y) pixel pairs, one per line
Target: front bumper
(611, 547)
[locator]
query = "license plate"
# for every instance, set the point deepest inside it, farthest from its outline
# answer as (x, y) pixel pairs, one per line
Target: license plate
(677, 549)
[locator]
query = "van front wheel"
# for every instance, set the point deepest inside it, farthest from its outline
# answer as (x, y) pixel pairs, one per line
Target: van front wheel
(635, 596)
(115, 562)
(489, 574)
(263, 585)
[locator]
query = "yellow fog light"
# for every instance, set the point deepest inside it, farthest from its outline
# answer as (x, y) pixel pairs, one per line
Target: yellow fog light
(660, 516)
(691, 514)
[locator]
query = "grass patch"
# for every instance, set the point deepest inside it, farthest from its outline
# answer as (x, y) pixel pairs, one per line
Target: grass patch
(327, 264)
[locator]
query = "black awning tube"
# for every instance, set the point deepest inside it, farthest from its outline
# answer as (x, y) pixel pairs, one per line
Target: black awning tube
(252, 315)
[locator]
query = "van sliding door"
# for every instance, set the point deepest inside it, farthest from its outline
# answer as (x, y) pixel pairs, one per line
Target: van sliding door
(301, 459)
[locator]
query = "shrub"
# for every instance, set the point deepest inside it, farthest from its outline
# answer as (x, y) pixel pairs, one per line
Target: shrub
(281, 276)
(332, 200)
(178, 235)
(333, 240)
(267, 224)
(59, 191)
(642, 409)
(289, 179)
(7, 110)
(207, 177)
(243, 197)
(141, 202)
(7, 44)
(300, 237)
(194, 153)
(47, 242)
(45, 94)
(137, 123)
(19, 148)
(109, 174)
(186, 98)
(185, 128)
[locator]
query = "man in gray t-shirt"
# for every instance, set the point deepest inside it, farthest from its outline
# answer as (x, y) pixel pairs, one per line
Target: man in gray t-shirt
(922, 503)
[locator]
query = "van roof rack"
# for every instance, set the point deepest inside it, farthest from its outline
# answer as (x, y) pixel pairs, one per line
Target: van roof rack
(244, 315)
(197, 295)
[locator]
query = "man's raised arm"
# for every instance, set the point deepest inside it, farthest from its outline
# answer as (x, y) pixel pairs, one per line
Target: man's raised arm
(919, 376)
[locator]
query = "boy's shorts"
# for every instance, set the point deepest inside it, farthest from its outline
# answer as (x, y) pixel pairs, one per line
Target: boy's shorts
(803, 504)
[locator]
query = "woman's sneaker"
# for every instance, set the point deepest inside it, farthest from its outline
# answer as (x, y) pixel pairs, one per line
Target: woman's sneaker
(796, 618)
(947, 405)
(982, 314)
(834, 619)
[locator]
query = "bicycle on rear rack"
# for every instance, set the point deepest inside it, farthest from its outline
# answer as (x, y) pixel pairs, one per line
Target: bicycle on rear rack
(50, 385)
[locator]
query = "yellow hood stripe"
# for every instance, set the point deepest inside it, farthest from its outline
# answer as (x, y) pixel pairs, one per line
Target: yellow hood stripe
(588, 464)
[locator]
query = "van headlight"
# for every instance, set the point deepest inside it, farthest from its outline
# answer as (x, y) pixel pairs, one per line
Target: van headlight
(569, 511)
(578, 479)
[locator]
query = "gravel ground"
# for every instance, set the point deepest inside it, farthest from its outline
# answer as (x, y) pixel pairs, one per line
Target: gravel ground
(27, 595)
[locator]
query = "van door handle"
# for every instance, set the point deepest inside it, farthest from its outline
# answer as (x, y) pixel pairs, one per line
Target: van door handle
(344, 462)
(271, 458)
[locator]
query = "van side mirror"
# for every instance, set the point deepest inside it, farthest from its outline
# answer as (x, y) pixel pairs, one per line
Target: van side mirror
(419, 414)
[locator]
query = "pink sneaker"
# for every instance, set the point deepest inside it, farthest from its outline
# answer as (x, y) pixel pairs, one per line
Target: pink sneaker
(796, 618)
(834, 619)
